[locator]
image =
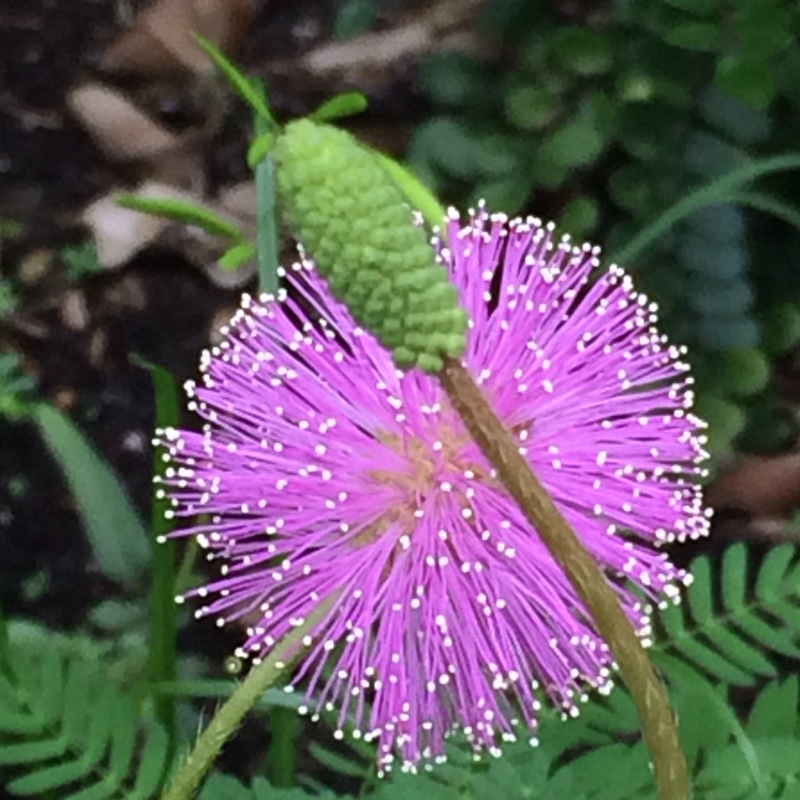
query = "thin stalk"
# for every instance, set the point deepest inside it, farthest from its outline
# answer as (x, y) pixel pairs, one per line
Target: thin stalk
(226, 721)
(163, 655)
(718, 191)
(267, 252)
(183, 580)
(281, 757)
(267, 227)
(648, 691)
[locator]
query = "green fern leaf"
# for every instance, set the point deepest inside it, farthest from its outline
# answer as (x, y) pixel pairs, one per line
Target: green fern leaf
(123, 742)
(51, 689)
(220, 786)
(77, 699)
(104, 790)
(685, 641)
(734, 576)
(739, 651)
(626, 781)
(563, 735)
(726, 777)
(700, 600)
(501, 780)
(699, 708)
(153, 765)
(50, 778)
(732, 642)
(761, 770)
(98, 729)
(225, 787)
(769, 637)
(32, 752)
(710, 644)
(778, 759)
(337, 762)
(743, 616)
(775, 712)
(773, 570)
(616, 716)
(66, 729)
(12, 721)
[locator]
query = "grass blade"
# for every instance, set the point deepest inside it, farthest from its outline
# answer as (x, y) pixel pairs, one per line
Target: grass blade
(266, 212)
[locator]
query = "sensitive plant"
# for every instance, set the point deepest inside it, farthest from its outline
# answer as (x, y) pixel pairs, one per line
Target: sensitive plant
(607, 121)
(324, 469)
(318, 164)
(381, 286)
(347, 210)
(708, 637)
(740, 619)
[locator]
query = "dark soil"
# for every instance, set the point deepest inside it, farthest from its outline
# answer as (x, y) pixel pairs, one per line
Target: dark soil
(158, 306)
(76, 336)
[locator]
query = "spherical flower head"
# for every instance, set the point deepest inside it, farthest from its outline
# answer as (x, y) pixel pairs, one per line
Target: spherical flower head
(324, 471)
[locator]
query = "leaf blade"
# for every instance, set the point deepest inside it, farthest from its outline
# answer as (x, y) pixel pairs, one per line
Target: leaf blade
(119, 540)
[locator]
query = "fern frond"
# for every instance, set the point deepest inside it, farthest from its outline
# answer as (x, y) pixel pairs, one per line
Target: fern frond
(66, 729)
(736, 616)
(762, 760)
(757, 613)
(225, 787)
(775, 712)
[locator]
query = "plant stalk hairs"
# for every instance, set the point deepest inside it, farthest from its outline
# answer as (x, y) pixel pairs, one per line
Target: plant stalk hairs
(476, 446)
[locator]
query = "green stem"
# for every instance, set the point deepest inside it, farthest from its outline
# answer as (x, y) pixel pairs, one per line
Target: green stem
(647, 689)
(183, 580)
(281, 760)
(769, 205)
(244, 697)
(267, 227)
(164, 628)
(267, 247)
(718, 191)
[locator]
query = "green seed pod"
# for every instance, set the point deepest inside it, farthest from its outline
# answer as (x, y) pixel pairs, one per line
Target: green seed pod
(354, 221)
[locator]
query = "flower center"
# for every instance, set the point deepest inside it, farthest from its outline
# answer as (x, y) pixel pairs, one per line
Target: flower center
(420, 469)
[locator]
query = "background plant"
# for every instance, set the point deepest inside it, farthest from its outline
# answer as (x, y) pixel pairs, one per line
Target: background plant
(607, 120)
(643, 104)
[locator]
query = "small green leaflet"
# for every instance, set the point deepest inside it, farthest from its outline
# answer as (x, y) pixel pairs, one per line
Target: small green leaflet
(342, 105)
(249, 92)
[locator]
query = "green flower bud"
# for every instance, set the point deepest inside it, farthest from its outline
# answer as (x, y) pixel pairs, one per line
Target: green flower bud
(353, 220)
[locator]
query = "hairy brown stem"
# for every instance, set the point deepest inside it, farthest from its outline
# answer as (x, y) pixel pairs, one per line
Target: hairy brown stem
(648, 691)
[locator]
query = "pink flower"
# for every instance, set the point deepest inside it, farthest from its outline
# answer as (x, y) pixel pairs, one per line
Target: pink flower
(323, 469)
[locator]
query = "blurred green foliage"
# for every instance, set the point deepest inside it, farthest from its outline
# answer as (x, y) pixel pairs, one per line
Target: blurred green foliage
(81, 260)
(603, 117)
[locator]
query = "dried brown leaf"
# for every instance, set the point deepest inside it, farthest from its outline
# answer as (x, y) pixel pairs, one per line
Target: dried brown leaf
(764, 487)
(238, 203)
(161, 39)
(443, 23)
(182, 167)
(120, 129)
(137, 51)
